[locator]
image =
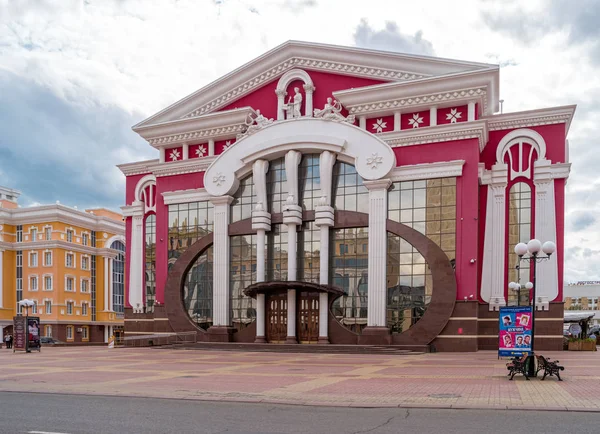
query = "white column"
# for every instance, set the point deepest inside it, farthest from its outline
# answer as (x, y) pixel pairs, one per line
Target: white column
(545, 230)
(433, 116)
(161, 155)
(136, 260)
(1, 280)
(471, 111)
(106, 333)
(292, 217)
(106, 299)
(308, 91)
(211, 147)
(494, 252)
(261, 223)
(377, 287)
(280, 102)
(362, 122)
(186, 151)
(221, 314)
(110, 284)
(397, 121)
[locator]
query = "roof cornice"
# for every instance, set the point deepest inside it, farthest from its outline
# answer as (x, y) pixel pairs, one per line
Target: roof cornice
(532, 118)
(449, 89)
(441, 133)
(137, 168)
(182, 167)
(320, 57)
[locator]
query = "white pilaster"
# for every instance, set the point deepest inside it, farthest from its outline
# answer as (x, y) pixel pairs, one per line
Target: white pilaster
(211, 147)
(221, 314)
(106, 302)
(362, 122)
(377, 287)
(186, 151)
(136, 262)
(397, 121)
(260, 277)
(280, 102)
(106, 333)
(308, 92)
(493, 268)
(1, 279)
(110, 284)
(161, 155)
(471, 111)
(261, 223)
(545, 230)
(433, 116)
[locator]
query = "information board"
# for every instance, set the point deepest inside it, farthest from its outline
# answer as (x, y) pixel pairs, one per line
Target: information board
(19, 333)
(514, 337)
(33, 333)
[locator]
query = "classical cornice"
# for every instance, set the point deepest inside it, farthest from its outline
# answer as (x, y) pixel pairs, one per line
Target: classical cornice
(214, 126)
(477, 86)
(185, 196)
(137, 168)
(136, 209)
(182, 167)
(351, 61)
(63, 214)
(59, 244)
(441, 169)
(532, 118)
(440, 133)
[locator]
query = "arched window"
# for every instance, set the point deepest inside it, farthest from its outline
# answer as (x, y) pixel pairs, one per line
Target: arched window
(118, 277)
(198, 290)
(150, 261)
(519, 231)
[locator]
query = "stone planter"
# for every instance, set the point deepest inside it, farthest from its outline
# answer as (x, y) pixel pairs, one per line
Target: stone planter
(582, 346)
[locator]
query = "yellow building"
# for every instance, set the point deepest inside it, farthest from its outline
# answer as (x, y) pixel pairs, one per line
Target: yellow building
(70, 263)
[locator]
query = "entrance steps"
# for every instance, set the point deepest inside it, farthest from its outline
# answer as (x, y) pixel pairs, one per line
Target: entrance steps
(302, 348)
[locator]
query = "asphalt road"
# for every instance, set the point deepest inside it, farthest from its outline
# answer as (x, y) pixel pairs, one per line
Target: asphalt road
(74, 414)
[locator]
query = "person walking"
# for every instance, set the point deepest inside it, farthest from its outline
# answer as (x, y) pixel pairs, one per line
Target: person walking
(10, 340)
(7, 340)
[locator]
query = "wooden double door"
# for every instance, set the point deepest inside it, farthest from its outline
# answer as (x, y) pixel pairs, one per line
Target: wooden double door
(307, 317)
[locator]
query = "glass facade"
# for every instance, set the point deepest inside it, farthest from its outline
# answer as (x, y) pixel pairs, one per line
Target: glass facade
(277, 253)
(309, 253)
(349, 192)
(118, 270)
(188, 222)
(348, 263)
(519, 231)
(243, 201)
(428, 206)
(198, 290)
(276, 188)
(242, 274)
(150, 261)
(309, 181)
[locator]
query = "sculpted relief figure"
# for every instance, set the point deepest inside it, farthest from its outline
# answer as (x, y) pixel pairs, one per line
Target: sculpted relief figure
(293, 109)
(253, 124)
(332, 112)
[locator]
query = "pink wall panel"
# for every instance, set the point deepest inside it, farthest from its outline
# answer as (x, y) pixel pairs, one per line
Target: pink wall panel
(380, 124)
(409, 120)
(451, 115)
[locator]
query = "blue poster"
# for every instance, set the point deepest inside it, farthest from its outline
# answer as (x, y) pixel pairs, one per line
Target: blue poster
(514, 337)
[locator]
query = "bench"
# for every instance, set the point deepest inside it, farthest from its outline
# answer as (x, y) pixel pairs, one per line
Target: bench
(550, 368)
(517, 366)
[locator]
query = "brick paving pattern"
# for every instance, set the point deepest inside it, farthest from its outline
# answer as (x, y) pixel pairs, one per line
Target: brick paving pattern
(442, 380)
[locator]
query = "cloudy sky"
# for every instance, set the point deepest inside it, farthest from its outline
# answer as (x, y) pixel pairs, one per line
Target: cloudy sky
(75, 75)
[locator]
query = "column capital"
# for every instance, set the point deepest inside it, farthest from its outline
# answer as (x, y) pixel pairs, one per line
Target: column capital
(221, 200)
(379, 184)
(281, 93)
(261, 219)
(309, 88)
(324, 216)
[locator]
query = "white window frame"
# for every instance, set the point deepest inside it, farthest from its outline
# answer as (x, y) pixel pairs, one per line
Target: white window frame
(34, 308)
(81, 284)
(48, 233)
(72, 254)
(46, 252)
(33, 233)
(47, 303)
(37, 282)
(72, 279)
(84, 309)
(70, 306)
(45, 276)
(48, 330)
(70, 233)
(85, 333)
(33, 254)
(70, 331)
(85, 238)
(85, 258)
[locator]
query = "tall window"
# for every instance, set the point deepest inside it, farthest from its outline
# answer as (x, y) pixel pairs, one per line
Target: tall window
(84, 239)
(69, 284)
(47, 259)
(33, 259)
(33, 233)
(69, 308)
(349, 271)
(48, 233)
(48, 330)
(242, 274)
(187, 224)
(19, 233)
(69, 333)
(243, 200)
(48, 283)
(349, 192)
(85, 262)
(309, 181)
(48, 308)
(85, 285)
(519, 231)
(85, 333)
(34, 309)
(309, 253)
(277, 254)
(118, 278)
(276, 193)
(84, 309)
(69, 235)
(150, 253)
(33, 283)
(70, 260)
(198, 290)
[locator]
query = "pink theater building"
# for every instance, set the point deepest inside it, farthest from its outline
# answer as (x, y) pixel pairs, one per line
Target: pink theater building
(335, 195)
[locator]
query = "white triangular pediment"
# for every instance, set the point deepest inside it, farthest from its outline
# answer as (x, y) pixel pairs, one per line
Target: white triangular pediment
(380, 65)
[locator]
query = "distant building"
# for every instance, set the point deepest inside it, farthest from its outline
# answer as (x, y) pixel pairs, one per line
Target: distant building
(70, 263)
(583, 297)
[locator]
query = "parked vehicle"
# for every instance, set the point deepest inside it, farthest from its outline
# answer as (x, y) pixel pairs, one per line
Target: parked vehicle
(50, 341)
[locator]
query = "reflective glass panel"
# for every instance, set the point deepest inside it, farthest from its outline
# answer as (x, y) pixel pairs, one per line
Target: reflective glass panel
(198, 290)
(150, 268)
(519, 231)
(309, 181)
(243, 200)
(276, 188)
(349, 192)
(242, 271)
(188, 222)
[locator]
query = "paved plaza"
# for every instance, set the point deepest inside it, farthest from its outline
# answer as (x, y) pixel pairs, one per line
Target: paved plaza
(441, 380)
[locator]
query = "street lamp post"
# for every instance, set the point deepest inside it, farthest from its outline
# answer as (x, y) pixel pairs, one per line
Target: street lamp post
(517, 287)
(533, 247)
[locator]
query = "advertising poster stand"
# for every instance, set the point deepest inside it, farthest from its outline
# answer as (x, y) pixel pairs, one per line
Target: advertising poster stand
(33, 333)
(26, 333)
(514, 336)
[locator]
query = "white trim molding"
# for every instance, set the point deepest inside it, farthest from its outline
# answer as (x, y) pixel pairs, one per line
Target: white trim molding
(440, 133)
(532, 118)
(441, 169)
(185, 196)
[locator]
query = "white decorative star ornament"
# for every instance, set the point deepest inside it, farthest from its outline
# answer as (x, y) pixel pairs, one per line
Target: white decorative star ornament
(374, 160)
(201, 151)
(379, 125)
(453, 116)
(219, 179)
(416, 120)
(227, 145)
(174, 155)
